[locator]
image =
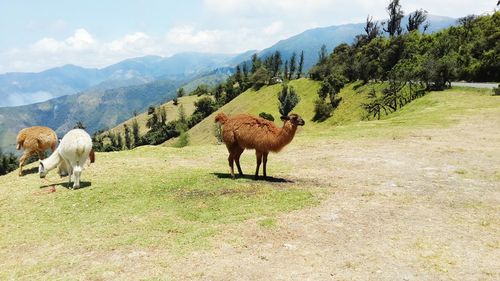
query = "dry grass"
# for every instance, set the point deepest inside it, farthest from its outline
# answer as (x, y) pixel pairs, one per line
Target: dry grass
(393, 206)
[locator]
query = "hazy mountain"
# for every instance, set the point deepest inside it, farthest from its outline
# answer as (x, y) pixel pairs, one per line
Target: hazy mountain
(97, 109)
(26, 88)
(310, 41)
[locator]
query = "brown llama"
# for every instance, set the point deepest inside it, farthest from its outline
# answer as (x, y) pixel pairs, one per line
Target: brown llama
(244, 131)
(35, 140)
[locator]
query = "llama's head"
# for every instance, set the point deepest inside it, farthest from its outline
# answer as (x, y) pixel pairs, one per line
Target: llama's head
(295, 119)
(41, 170)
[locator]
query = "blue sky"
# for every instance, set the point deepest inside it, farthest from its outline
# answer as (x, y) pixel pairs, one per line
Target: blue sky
(37, 35)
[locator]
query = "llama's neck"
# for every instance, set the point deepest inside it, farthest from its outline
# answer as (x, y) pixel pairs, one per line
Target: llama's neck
(285, 136)
(52, 161)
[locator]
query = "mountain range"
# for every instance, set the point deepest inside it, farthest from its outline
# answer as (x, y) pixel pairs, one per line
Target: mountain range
(26, 88)
(102, 98)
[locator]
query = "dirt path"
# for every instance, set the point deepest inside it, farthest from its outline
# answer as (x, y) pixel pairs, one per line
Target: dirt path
(424, 207)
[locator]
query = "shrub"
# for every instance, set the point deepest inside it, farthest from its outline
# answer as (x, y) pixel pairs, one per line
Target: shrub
(266, 116)
(322, 110)
(496, 91)
(183, 140)
(288, 99)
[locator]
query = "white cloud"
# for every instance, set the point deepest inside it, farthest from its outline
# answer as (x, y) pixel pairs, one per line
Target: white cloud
(81, 48)
(223, 26)
(186, 35)
(274, 28)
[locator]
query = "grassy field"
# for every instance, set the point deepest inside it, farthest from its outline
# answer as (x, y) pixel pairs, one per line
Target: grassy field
(172, 114)
(148, 212)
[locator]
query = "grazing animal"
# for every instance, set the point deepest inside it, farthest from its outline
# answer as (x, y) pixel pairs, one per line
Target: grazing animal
(73, 151)
(35, 140)
(244, 131)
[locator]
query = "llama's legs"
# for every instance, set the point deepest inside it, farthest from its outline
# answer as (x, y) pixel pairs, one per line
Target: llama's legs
(77, 172)
(264, 160)
(230, 159)
(23, 158)
(237, 153)
(70, 174)
(258, 155)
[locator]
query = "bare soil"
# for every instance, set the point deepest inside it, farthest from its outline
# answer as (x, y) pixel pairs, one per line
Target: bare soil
(421, 207)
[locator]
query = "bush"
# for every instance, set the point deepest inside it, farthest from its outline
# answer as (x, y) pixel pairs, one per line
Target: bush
(322, 110)
(266, 116)
(183, 140)
(496, 91)
(288, 99)
(8, 163)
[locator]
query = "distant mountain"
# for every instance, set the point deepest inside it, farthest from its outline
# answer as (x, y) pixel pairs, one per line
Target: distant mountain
(310, 41)
(97, 109)
(210, 79)
(25, 88)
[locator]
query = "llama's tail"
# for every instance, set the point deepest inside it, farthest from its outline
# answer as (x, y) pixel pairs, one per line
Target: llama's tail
(221, 118)
(92, 156)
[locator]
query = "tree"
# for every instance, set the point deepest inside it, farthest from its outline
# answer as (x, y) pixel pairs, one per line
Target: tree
(293, 65)
(321, 110)
(285, 74)
(288, 99)
(330, 87)
(393, 25)
(128, 141)
(204, 106)
(200, 90)
(372, 29)
(8, 163)
(152, 121)
(416, 19)
(181, 92)
(336, 82)
(79, 125)
(322, 54)
(119, 141)
(135, 132)
(255, 63)
(162, 115)
(301, 64)
(276, 63)
(182, 119)
(175, 101)
(237, 75)
(260, 78)
(244, 69)
(220, 96)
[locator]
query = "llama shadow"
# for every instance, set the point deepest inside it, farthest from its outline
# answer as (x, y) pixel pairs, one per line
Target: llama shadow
(251, 177)
(29, 171)
(65, 184)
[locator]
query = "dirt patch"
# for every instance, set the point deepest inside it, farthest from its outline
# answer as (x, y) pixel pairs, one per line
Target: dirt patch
(397, 209)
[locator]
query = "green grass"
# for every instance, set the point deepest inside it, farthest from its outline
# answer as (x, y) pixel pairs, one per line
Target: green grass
(147, 198)
(176, 200)
(349, 119)
(170, 108)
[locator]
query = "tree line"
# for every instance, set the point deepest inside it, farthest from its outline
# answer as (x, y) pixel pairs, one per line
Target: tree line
(407, 61)
(8, 162)
(254, 73)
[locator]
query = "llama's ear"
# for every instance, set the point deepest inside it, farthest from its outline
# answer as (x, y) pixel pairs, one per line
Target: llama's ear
(284, 118)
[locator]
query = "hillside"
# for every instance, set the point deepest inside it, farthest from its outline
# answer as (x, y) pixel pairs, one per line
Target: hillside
(19, 88)
(265, 100)
(310, 41)
(388, 199)
(172, 114)
(97, 109)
